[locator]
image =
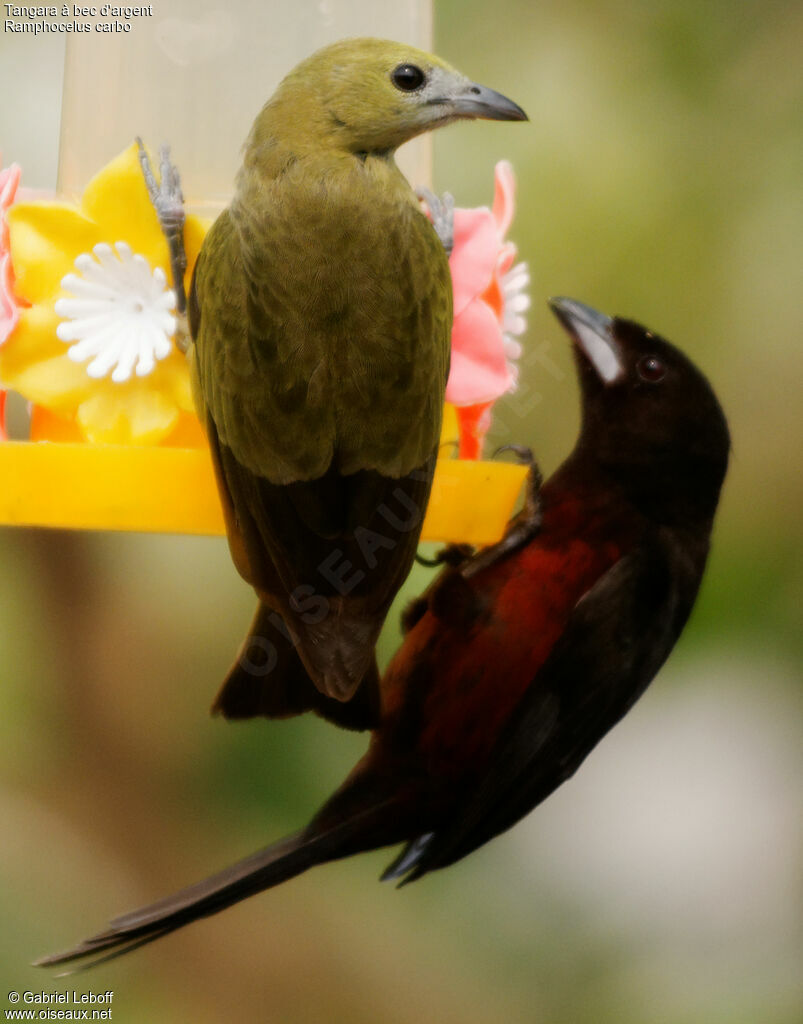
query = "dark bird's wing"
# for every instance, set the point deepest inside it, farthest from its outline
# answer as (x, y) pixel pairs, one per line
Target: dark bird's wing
(617, 638)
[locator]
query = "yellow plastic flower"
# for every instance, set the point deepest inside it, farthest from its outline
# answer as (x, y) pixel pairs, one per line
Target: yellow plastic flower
(94, 347)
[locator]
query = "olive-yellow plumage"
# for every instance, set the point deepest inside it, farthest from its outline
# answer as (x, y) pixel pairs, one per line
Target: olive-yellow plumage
(321, 314)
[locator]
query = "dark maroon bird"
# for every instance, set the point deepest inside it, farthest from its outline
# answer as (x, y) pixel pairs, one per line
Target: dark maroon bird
(517, 662)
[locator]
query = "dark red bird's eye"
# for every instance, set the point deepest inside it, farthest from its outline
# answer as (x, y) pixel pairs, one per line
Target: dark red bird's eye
(408, 77)
(651, 368)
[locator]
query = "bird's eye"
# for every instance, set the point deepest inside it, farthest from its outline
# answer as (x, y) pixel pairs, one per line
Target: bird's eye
(408, 77)
(651, 368)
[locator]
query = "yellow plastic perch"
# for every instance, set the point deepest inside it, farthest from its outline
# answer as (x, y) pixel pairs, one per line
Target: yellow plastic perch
(172, 490)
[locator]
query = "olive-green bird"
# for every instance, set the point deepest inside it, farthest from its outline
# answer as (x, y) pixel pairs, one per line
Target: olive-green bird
(321, 312)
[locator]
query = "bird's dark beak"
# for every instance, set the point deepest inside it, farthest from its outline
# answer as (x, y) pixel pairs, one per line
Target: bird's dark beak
(593, 333)
(477, 101)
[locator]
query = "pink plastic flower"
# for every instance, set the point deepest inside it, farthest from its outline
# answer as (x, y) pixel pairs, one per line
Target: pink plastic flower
(489, 300)
(9, 307)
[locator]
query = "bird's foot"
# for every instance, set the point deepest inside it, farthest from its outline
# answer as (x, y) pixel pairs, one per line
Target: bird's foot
(168, 201)
(442, 212)
(523, 454)
(532, 513)
(528, 522)
(452, 554)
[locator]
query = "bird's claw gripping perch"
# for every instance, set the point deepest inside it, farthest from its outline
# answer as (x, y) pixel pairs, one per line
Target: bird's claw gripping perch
(522, 452)
(441, 211)
(168, 201)
(531, 511)
(452, 554)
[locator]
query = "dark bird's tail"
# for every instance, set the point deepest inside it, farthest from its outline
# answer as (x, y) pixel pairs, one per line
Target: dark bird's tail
(275, 864)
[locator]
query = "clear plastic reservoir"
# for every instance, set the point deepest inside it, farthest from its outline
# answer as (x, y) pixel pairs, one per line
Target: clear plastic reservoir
(195, 73)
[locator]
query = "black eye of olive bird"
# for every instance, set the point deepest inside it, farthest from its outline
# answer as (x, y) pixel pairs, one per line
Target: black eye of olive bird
(408, 77)
(514, 666)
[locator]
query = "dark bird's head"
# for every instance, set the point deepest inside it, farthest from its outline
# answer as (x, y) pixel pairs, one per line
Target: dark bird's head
(649, 416)
(372, 95)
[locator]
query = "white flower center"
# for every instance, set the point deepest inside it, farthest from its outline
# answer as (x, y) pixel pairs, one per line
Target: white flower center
(118, 313)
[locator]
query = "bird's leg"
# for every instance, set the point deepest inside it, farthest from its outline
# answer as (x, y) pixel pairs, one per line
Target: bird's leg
(168, 201)
(442, 212)
(414, 612)
(523, 527)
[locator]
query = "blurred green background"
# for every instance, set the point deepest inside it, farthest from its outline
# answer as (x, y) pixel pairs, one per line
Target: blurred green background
(659, 178)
